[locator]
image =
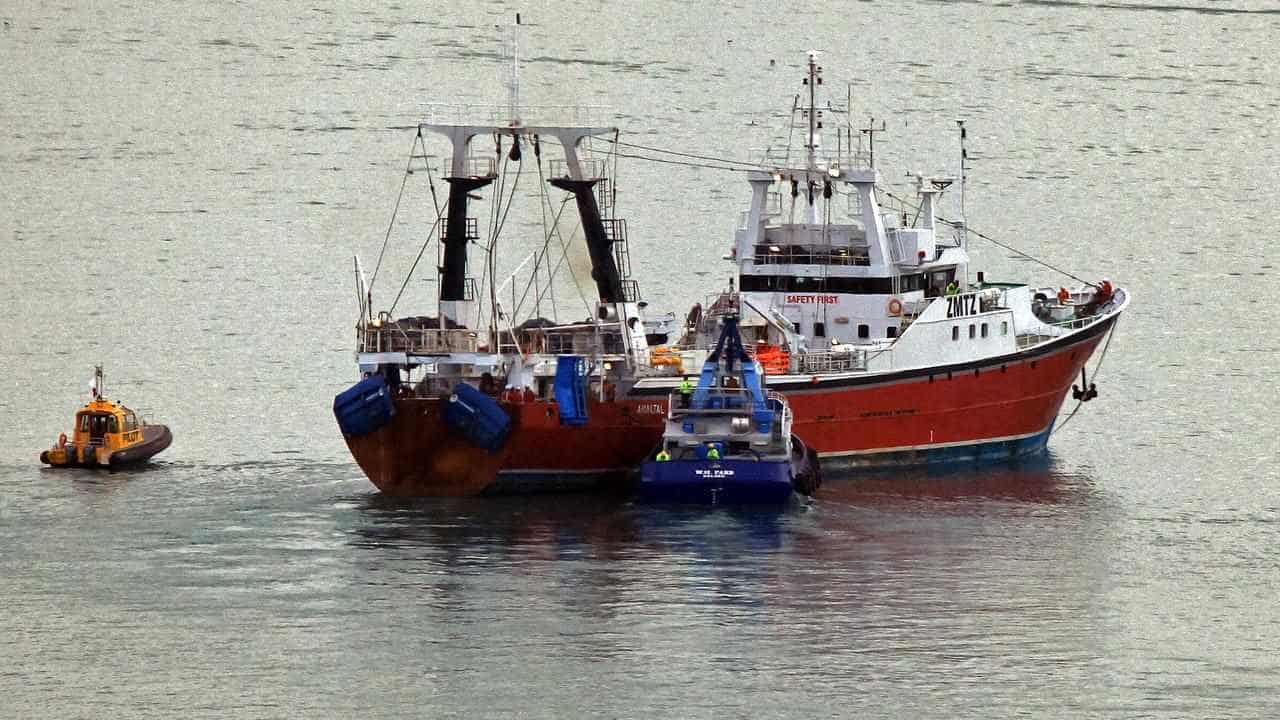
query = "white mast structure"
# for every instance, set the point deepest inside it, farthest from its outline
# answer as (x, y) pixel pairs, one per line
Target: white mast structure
(814, 137)
(468, 172)
(511, 53)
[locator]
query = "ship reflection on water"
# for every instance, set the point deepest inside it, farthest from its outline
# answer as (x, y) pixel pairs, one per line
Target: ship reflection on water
(852, 522)
(1036, 479)
(884, 577)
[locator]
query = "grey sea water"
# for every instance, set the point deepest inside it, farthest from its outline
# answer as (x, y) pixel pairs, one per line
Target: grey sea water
(182, 187)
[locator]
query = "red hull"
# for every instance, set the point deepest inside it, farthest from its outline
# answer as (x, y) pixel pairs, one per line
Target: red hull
(417, 454)
(907, 417)
(897, 422)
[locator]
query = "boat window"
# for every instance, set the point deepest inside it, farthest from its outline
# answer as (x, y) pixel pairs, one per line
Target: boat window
(913, 282)
(98, 424)
(130, 421)
(891, 332)
(1004, 328)
(112, 425)
(972, 332)
(955, 332)
(864, 331)
(84, 422)
(819, 329)
(984, 329)
(846, 285)
(939, 280)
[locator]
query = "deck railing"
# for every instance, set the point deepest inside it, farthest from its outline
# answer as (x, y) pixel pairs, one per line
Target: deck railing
(1027, 340)
(833, 361)
(786, 255)
(741, 397)
(393, 338)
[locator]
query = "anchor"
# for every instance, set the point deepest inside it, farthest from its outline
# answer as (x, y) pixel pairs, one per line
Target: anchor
(1085, 391)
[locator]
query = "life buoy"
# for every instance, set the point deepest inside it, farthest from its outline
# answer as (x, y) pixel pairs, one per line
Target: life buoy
(895, 307)
(62, 440)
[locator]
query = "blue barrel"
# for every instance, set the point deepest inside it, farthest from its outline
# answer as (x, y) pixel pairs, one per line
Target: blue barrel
(364, 407)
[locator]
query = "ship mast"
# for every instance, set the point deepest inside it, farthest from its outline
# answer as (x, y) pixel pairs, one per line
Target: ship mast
(511, 53)
(811, 144)
(964, 161)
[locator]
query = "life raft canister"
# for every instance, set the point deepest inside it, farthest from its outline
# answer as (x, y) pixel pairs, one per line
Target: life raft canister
(895, 307)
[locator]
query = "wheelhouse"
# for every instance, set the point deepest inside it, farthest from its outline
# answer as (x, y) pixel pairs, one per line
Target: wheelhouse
(101, 418)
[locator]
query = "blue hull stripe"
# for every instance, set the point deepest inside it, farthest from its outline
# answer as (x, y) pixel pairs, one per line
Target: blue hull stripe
(992, 451)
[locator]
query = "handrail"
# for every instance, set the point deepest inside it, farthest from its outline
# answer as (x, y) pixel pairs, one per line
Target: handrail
(393, 338)
(674, 408)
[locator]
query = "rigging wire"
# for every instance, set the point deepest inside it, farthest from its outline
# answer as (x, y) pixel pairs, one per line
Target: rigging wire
(1011, 249)
(408, 170)
(543, 253)
(546, 240)
(622, 143)
(493, 244)
(409, 275)
(726, 166)
(956, 224)
(685, 164)
(711, 163)
(564, 249)
(564, 256)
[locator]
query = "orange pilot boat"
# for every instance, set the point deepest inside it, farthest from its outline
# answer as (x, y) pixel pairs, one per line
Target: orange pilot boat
(106, 435)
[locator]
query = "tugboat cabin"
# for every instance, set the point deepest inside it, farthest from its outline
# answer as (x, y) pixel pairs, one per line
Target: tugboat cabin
(103, 423)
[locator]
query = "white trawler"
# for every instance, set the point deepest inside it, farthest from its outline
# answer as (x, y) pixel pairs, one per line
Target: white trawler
(864, 311)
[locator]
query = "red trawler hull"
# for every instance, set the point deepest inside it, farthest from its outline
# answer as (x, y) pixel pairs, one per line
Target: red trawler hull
(984, 410)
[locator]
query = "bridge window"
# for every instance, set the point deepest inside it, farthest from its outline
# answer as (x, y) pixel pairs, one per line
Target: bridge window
(972, 332)
(955, 332)
(844, 285)
(984, 329)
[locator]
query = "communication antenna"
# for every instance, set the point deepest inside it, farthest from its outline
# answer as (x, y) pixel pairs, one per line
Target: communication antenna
(511, 54)
(870, 131)
(814, 79)
(964, 165)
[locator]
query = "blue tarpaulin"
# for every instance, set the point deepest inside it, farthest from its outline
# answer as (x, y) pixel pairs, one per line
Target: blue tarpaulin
(571, 389)
(364, 407)
(477, 417)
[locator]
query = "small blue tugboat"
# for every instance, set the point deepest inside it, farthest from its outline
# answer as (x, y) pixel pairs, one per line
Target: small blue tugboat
(728, 441)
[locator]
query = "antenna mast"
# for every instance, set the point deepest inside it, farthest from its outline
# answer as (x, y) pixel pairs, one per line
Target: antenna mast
(511, 53)
(870, 131)
(964, 164)
(814, 79)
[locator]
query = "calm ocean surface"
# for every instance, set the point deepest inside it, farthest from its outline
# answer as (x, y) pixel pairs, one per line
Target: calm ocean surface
(183, 188)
